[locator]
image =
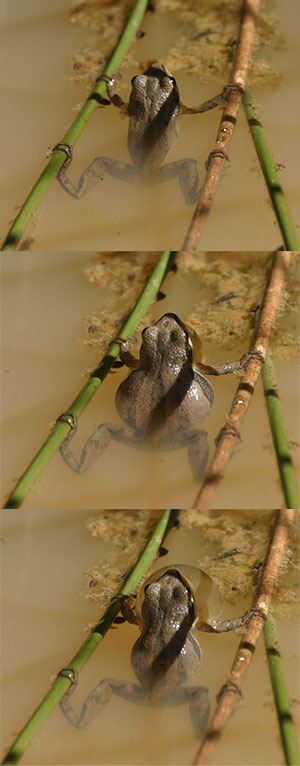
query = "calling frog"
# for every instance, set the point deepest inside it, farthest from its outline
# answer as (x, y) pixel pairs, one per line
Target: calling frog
(167, 653)
(153, 109)
(162, 402)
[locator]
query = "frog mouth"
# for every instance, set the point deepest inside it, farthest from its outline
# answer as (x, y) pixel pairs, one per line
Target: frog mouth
(160, 72)
(177, 320)
(180, 323)
(176, 573)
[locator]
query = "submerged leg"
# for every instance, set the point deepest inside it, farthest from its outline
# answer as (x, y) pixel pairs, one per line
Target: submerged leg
(187, 172)
(220, 99)
(226, 368)
(197, 698)
(93, 174)
(198, 454)
(199, 709)
(92, 450)
(97, 699)
(96, 445)
(223, 626)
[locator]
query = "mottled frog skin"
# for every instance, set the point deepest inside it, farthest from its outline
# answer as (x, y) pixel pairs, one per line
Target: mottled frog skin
(162, 402)
(153, 109)
(167, 653)
(165, 398)
(163, 658)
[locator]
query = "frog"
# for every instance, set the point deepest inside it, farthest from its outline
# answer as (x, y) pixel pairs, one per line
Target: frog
(153, 108)
(163, 658)
(162, 402)
(167, 653)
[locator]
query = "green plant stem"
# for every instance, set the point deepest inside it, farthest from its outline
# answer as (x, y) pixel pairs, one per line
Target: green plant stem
(275, 190)
(61, 429)
(60, 686)
(58, 157)
(281, 697)
(280, 439)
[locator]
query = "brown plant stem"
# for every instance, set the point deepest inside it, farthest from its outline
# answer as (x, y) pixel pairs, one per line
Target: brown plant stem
(231, 431)
(219, 154)
(231, 690)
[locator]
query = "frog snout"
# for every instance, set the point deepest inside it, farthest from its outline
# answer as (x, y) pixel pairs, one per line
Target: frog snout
(150, 335)
(141, 80)
(153, 589)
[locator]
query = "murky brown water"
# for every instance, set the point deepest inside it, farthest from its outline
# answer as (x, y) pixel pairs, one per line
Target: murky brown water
(48, 555)
(38, 105)
(45, 556)
(46, 302)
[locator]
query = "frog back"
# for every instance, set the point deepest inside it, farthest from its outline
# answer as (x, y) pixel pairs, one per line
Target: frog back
(157, 405)
(161, 670)
(153, 107)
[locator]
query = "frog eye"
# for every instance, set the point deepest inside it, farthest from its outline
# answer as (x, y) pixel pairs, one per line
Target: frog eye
(172, 80)
(175, 336)
(133, 79)
(177, 593)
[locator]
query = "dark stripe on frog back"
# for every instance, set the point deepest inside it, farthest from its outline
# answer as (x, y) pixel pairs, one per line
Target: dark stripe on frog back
(140, 401)
(161, 406)
(170, 402)
(172, 653)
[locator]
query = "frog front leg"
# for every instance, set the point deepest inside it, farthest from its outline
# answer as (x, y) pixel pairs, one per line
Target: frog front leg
(226, 368)
(95, 445)
(223, 626)
(220, 100)
(98, 699)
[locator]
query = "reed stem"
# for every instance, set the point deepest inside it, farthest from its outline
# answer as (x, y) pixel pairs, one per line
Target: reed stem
(74, 132)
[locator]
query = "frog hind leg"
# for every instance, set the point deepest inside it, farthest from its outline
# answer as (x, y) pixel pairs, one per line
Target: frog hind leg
(98, 699)
(198, 454)
(187, 172)
(197, 698)
(199, 709)
(94, 173)
(96, 444)
(92, 450)
(94, 447)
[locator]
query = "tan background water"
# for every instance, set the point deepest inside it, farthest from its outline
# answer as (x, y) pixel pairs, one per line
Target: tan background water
(45, 556)
(47, 551)
(38, 104)
(46, 298)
